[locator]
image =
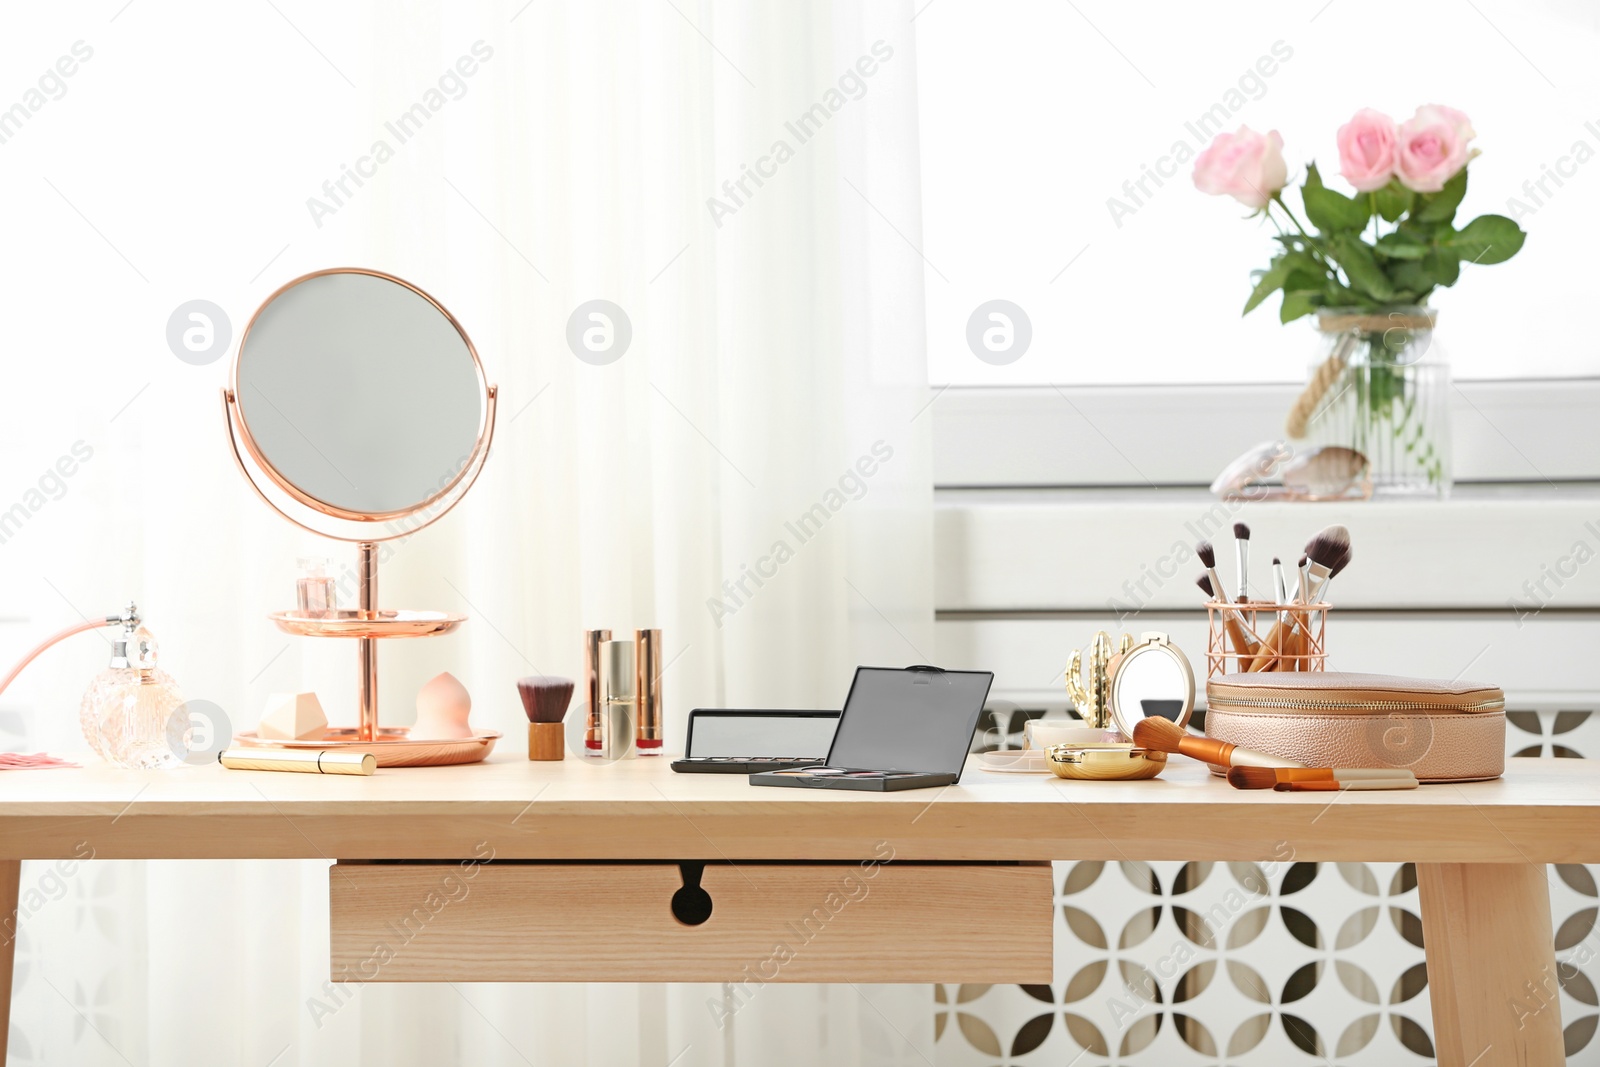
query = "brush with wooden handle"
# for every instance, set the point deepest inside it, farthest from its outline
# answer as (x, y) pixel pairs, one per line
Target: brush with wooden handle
(1280, 636)
(1328, 551)
(1268, 777)
(545, 699)
(1298, 644)
(1245, 643)
(1164, 735)
(1335, 786)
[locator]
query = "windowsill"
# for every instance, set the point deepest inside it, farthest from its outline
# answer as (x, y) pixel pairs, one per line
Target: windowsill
(1097, 548)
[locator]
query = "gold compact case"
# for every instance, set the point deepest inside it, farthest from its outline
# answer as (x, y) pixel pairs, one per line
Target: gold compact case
(1152, 677)
(1106, 762)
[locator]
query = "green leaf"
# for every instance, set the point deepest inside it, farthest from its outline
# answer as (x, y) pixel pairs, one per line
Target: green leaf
(1400, 245)
(1361, 267)
(1313, 177)
(1409, 275)
(1335, 295)
(1301, 280)
(1487, 239)
(1442, 266)
(1332, 212)
(1393, 200)
(1441, 206)
(1276, 274)
(1296, 304)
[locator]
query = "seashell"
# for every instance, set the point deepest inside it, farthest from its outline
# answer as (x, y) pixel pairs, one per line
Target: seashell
(1256, 465)
(442, 709)
(1329, 471)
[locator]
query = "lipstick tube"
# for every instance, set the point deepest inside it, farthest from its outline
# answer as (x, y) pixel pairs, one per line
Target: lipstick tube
(617, 707)
(592, 728)
(307, 761)
(647, 690)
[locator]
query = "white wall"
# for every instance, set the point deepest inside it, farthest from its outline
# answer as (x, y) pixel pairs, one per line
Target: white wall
(1035, 112)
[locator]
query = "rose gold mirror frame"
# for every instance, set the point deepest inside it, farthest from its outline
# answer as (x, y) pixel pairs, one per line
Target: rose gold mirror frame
(368, 732)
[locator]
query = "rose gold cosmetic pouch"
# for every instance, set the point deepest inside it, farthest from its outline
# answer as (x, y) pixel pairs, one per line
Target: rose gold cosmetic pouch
(1442, 731)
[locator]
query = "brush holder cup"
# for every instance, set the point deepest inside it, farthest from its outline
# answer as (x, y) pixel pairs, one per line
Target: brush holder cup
(1259, 635)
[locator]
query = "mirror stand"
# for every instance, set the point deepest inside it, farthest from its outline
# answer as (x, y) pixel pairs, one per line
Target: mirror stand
(368, 624)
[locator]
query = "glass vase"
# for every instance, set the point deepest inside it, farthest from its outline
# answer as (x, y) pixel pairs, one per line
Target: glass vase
(1383, 389)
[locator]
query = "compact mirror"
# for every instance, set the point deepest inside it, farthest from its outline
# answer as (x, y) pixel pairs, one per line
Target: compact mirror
(1151, 678)
(359, 395)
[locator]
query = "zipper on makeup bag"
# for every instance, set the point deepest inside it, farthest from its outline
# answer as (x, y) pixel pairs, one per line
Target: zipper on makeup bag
(1330, 705)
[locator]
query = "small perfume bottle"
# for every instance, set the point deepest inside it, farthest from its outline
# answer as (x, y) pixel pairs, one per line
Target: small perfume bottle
(315, 594)
(131, 712)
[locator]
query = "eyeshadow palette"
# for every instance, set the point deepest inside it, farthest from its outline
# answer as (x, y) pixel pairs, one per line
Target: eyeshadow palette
(900, 729)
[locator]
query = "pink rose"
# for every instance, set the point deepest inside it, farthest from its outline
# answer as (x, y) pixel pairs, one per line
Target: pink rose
(1432, 147)
(1245, 165)
(1366, 150)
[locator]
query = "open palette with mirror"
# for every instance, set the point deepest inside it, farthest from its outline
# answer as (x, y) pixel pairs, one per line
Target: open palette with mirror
(359, 411)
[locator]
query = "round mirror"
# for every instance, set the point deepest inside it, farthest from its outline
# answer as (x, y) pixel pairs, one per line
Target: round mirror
(359, 395)
(1152, 678)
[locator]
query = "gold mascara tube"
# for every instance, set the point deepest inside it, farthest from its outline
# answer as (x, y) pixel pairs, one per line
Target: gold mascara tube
(307, 761)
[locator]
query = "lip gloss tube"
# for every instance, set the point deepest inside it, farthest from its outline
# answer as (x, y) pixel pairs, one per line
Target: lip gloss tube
(647, 690)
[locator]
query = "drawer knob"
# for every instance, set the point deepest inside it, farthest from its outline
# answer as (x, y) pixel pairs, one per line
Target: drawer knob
(691, 905)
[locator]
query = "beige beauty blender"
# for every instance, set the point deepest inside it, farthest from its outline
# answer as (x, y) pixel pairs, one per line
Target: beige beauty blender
(442, 709)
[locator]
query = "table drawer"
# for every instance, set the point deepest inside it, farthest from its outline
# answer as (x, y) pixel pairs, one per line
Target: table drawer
(690, 922)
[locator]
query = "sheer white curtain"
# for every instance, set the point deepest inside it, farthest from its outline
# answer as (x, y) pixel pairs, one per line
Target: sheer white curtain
(752, 475)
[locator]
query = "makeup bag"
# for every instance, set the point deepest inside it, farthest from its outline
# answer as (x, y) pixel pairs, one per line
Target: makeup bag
(1442, 731)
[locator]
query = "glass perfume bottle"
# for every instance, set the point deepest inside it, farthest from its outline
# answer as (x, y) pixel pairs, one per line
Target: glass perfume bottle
(132, 713)
(315, 593)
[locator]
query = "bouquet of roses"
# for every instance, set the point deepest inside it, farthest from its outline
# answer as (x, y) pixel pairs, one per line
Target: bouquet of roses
(1410, 176)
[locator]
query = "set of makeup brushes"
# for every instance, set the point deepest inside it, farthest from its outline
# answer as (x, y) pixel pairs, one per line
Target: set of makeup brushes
(1248, 769)
(1287, 645)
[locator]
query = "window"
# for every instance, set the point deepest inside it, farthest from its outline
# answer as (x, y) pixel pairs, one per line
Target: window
(1045, 126)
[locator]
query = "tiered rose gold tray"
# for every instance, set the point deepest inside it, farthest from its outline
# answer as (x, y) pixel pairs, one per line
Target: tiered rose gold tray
(384, 624)
(393, 747)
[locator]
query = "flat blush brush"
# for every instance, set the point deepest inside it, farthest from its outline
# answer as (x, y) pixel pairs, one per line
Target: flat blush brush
(1328, 551)
(1332, 786)
(545, 699)
(1268, 777)
(1164, 735)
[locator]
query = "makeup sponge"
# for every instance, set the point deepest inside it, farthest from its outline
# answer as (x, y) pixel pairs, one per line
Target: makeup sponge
(442, 709)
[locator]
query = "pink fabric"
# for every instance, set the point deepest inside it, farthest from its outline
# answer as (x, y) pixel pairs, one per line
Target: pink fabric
(17, 761)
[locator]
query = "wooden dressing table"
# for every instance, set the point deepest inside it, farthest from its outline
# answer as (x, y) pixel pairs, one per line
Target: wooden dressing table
(508, 870)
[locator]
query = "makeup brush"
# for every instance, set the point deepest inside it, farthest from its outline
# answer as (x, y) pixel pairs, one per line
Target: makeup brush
(1335, 786)
(545, 699)
(1241, 543)
(1267, 777)
(1240, 638)
(1164, 735)
(1280, 637)
(1326, 550)
(1296, 641)
(1244, 642)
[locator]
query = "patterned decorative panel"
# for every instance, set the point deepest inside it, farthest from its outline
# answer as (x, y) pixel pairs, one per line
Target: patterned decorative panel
(1246, 964)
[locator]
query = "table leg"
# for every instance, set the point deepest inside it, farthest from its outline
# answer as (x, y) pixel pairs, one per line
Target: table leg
(10, 885)
(1491, 964)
